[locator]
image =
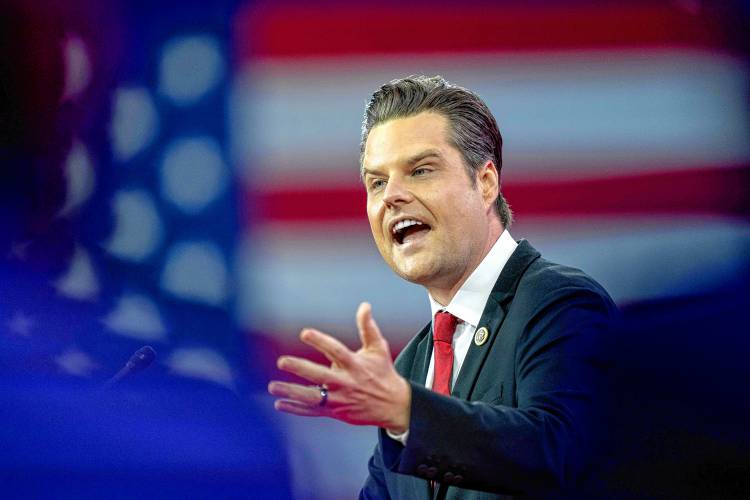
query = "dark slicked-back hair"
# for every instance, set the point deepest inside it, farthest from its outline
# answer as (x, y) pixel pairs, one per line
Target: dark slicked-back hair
(473, 129)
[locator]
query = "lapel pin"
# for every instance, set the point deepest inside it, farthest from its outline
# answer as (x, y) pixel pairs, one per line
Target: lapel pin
(481, 336)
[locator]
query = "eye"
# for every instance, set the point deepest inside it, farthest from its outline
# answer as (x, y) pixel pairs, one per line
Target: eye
(376, 184)
(419, 171)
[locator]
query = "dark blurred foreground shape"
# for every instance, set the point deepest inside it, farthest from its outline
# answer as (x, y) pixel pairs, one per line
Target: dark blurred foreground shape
(142, 439)
(682, 424)
(62, 433)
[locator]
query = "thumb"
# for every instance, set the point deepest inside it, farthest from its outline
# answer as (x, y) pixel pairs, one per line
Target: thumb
(369, 332)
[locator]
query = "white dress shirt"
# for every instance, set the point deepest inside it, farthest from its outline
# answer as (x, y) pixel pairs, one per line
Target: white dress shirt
(467, 305)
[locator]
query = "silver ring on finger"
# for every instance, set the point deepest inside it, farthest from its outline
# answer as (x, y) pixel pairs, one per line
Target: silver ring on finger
(323, 395)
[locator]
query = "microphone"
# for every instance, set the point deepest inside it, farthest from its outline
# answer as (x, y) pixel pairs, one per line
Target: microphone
(139, 361)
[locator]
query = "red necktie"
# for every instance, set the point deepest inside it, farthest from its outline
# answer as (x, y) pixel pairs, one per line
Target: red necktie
(442, 335)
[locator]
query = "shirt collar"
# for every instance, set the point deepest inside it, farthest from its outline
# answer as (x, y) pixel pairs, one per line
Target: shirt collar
(468, 303)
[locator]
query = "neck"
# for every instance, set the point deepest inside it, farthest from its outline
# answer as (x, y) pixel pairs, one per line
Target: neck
(444, 294)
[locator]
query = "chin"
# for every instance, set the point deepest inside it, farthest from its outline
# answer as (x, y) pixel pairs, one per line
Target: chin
(417, 273)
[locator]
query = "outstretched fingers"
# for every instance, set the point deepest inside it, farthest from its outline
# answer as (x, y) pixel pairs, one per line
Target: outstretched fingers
(369, 332)
(308, 370)
(295, 408)
(304, 394)
(332, 348)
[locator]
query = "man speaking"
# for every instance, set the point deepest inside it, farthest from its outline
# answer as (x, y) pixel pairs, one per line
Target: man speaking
(502, 393)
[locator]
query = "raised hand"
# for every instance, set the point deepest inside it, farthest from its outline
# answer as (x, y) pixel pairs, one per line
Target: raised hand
(362, 387)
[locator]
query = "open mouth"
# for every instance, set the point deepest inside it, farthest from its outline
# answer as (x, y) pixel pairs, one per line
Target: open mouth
(408, 229)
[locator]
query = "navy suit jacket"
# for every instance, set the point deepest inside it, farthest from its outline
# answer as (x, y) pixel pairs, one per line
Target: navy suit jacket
(528, 408)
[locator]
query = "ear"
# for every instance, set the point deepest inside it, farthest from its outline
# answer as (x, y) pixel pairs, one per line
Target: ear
(488, 181)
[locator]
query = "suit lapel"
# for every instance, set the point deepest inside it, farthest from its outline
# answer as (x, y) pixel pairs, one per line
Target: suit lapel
(493, 316)
(413, 363)
(422, 356)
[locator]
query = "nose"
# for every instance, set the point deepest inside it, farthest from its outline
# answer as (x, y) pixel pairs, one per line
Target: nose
(396, 193)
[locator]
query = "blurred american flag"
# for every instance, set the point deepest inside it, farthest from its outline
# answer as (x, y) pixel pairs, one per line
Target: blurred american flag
(625, 131)
(626, 154)
(206, 198)
(122, 204)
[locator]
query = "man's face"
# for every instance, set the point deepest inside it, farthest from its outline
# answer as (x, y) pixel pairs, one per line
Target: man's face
(431, 225)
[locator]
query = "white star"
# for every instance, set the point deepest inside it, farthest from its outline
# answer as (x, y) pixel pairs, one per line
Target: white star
(79, 282)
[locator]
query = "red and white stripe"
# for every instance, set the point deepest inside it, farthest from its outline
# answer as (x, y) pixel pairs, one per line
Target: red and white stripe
(626, 147)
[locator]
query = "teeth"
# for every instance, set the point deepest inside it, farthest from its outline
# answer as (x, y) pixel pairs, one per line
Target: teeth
(404, 224)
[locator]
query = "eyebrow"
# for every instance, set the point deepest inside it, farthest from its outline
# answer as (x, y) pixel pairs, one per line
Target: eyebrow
(422, 155)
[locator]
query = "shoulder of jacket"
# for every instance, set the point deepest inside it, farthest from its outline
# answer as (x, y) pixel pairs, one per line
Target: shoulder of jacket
(544, 279)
